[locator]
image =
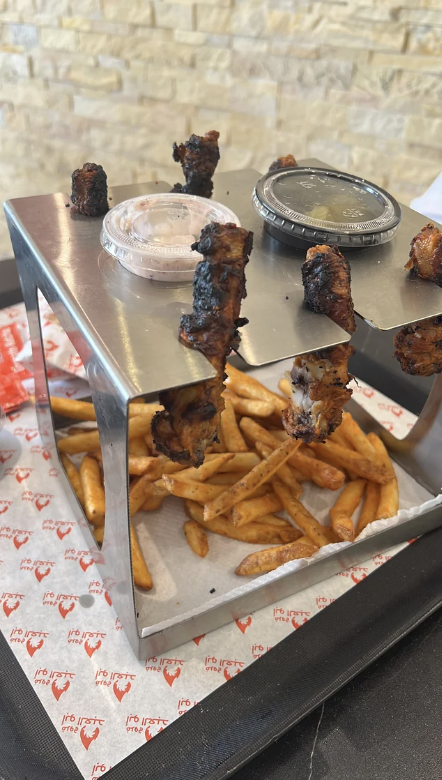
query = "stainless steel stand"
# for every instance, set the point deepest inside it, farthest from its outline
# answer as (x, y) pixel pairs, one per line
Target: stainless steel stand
(124, 329)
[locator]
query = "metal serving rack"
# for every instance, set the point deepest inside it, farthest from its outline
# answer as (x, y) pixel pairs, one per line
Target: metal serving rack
(125, 331)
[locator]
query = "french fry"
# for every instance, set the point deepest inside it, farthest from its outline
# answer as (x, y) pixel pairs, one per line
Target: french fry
(344, 507)
(89, 442)
(94, 504)
(268, 560)
(246, 486)
(252, 407)
(228, 478)
(143, 489)
(73, 477)
(207, 470)
(280, 435)
(84, 410)
(148, 438)
(98, 532)
(196, 538)
(302, 517)
(279, 522)
(140, 571)
(252, 508)
(245, 385)
(252, 533)
(285, 387)
(370, 506)
(138, 447)
(389, 493)
(241, 461)
(321, 473)
(231, 433)
(357, 438)
(195, 491)
(81, 429)
(285, 473)
(367, 469)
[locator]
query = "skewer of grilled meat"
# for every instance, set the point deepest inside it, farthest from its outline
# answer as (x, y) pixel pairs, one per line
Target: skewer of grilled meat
(89, 190)
(198, 157)
(319, 379)
(426, 254)
(283, 162)
(418, 347)
(192, 414)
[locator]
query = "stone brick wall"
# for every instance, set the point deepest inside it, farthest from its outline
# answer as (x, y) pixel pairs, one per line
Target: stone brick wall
(355, 82)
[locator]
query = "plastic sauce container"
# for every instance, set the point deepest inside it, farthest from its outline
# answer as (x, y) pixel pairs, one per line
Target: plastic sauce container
(151, 235)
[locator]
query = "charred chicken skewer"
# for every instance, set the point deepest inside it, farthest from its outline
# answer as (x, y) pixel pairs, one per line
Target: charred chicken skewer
(198, 157)
(192, 414)
(89, 190)
(426, 254)
(319, 379)
(283, 162)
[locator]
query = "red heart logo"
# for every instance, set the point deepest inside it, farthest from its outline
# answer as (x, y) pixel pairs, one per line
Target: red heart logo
(91, 647)
(15, 416)
(4, 509)
(40, 503)
(46, 454)
(368, 393)
(58, 689)
(147, 734)
(86, 738)
(197, 639)
(4, 458)
(8, 608)
(22, 475)
(31, 435)
(108, 598)
(120, 692)
(32, 645)
(64, 610)
(40, 574)
(85, 563)
(50, 345)
(18, 542)
(244, 624)
(171, 677)
(70, 393)
(357, 578)
(295, 624)
(397, 411)
(62, 532)
(410, 541)
(388, 425)
(227, 674)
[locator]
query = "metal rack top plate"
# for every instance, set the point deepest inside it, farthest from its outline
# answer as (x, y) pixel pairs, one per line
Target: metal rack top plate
(133, 322)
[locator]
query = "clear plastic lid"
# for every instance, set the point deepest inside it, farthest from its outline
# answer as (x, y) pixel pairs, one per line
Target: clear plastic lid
(151, 235)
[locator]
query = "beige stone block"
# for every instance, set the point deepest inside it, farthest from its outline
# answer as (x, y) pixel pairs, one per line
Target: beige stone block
(7, 17)
(155, 117)
(64, 40)
(89, 8)
(205, 119)
(421, 16)
(376, 82)
(111, 62)
(133, 12)
(143, 173)
(212, 18)
(254, 97)
(250, 45)
(14, 65)
(377, 36)
(75, 23)
(408, 62)
(150, 83)
(155, 34)
(23, 6)
(285, 47)
(94, 43)
(415, 170)
(191, 37)
(381, 123)
(286, 23)
(235, 158)
(24, 35)
(96, 78)
(250, 17)
(425, 133)
(425, 40)
(255, 132)
(194, 90)
(417, 86)
(207, 57)
(52, 7)
(110, 28)
(369, 163)
(404, 192)
(173, 15)
(331, 152)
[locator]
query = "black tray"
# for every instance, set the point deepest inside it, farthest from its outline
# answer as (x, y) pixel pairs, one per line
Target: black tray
(246, 715)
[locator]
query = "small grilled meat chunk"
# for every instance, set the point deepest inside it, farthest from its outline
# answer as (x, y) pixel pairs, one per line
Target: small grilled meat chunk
(418, 347)
(283, 162)
(198, 157)
(326, 278)
(89, 190)
(319, 391)
(426, 254)
(190, 420)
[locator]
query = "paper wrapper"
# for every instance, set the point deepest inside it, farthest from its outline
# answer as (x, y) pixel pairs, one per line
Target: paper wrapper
(58, 617)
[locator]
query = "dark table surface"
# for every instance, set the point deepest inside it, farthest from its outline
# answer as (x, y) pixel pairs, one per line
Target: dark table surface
(386, 724)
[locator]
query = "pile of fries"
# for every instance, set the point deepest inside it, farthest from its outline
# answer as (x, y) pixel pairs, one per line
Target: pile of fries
(251, 476)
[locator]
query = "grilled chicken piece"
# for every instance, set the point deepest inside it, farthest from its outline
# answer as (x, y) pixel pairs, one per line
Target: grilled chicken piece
(419, 347)
(192, 414)
(319, 379)
(326, 278)
(283, 162)
(319, 391)
(89, 190)
(198, 157)
(426, 254)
